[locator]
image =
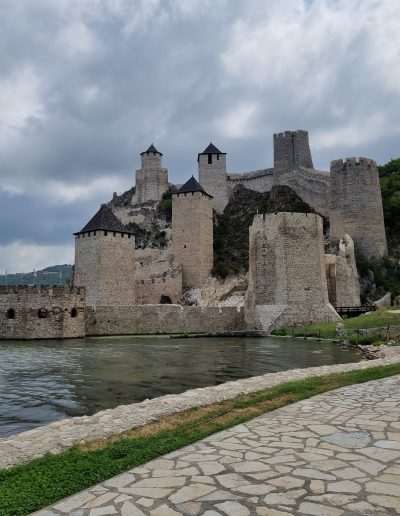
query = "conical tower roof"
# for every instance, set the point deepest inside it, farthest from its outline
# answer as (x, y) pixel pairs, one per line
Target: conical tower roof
(151, 149)
(105, 220)
(210, 149)
(192, 185)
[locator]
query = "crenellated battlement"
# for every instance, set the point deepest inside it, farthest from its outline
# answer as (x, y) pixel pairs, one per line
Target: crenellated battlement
(53, 290)
(346, 163)
(290, 134)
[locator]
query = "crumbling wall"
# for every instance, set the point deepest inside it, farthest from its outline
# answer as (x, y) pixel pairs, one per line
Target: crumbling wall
(42, 312)
(158, 287)
(342, 276)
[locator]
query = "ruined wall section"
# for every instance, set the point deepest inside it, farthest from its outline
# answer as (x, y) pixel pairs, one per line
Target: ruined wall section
(192, 236)
(291, 151)
(213, 178)
(342, 276)
(154, 319)
(42, 312)
(287, 277)
(356, 205)
(105, 265)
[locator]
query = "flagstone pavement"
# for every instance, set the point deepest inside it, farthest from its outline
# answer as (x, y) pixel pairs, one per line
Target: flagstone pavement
(334, 454)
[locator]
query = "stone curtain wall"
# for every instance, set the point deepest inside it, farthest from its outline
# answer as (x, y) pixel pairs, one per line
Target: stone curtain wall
(105, 265)
(149, 290)
(313, 186)
(287, 277)
(356, 205)
(212, 177)
(62, 312)
(192, 236)
(153, 319)
(258, 180)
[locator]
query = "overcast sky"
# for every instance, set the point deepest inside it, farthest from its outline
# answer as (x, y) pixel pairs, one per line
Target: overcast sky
(86, 85)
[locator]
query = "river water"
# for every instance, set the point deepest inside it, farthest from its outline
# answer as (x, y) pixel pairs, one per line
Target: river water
(43, 381)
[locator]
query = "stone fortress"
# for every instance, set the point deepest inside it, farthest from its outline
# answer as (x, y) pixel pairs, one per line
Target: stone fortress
(121, 287)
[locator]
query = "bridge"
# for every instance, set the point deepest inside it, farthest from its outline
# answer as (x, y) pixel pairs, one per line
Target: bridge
(353, 311)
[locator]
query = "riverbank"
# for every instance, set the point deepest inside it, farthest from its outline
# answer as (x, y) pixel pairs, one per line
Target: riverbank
(45, 480)
(61, 435)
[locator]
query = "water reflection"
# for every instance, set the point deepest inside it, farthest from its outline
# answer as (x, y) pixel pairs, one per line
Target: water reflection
(42, 381)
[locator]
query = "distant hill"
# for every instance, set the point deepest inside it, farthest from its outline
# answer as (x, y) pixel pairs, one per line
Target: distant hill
(53, 275)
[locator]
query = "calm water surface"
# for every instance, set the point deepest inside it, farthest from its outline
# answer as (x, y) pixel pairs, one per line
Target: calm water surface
(42, 381)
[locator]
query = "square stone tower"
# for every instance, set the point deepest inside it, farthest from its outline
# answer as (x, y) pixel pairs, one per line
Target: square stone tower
(152, 178)
(192, 232)
(105, 260)
(287, 276)
(212, 175)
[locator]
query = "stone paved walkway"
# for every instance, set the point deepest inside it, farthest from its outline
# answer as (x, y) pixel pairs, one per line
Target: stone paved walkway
(334, 454)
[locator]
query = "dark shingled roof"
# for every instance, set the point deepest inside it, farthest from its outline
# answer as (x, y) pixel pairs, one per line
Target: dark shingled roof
(192, 186)
(151, 149)
(105, 220)
(211, 149)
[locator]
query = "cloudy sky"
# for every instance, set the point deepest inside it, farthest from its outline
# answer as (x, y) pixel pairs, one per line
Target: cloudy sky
(86, 85)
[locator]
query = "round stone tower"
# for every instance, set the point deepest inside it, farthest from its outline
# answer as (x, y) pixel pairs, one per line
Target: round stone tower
(356, 205)
(152, 178)
(105, 260)
(212, 175)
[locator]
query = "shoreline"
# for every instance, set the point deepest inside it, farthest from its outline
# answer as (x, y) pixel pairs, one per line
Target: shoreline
(60, 435)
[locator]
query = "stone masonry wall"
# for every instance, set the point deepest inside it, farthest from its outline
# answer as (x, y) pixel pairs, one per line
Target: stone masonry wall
(151, 183)
(152, 289)
(62, 312)
(342, 276)
(291, 151)
(258, 180)
(287, 277)
(356, 205)
(212, 177)
(105, 266)
(192, 236)
(153, 319)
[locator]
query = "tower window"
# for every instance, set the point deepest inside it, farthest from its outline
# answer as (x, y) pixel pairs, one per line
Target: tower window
(122, 235)
(74, 312)
(10, 313)
(210, 159)
(114, 233)
(105, 233)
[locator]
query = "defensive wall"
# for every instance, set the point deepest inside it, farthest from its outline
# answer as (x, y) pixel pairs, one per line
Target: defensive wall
(258, 180)
(42, 312)
(159, 287)
(153, 319)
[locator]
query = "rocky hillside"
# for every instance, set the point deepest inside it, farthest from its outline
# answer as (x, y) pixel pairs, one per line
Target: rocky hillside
(231, 228)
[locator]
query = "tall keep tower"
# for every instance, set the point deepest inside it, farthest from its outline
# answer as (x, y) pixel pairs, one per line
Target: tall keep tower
(212, 175)
(356, 205)
(152, 178)
(192, 232)
(105, 260)
(291, 151)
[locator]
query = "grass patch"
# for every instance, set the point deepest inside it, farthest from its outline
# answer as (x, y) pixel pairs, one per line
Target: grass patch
(379, 319)
(29, 487)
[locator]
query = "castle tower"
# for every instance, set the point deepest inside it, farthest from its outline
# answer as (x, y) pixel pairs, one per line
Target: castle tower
(152, 178)
(192, 232)
(291, 151)
(212, 175)
(287, 276)
(105, 260)
(356, 206)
